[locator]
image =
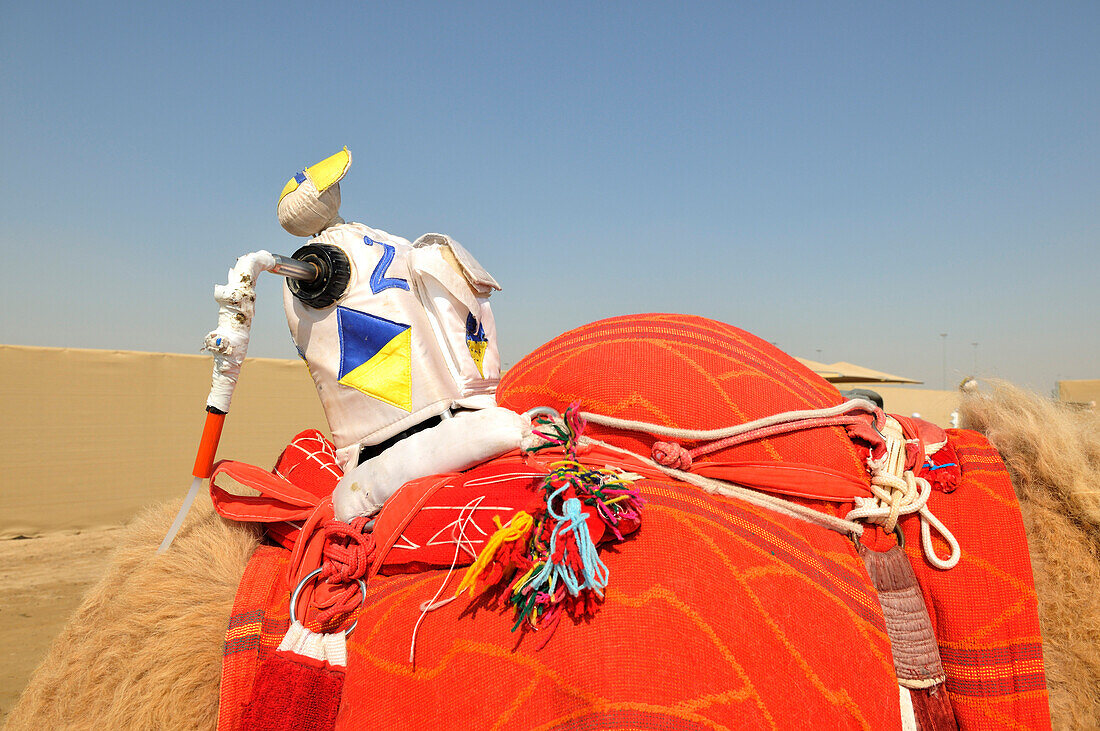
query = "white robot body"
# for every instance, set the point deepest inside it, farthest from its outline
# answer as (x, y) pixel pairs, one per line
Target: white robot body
(411, 337)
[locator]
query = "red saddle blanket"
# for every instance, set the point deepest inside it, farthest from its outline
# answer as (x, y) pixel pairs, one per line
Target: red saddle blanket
(984, 610)
(718, 614)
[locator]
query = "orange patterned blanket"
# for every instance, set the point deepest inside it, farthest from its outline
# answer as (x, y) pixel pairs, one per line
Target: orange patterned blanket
(717, 613)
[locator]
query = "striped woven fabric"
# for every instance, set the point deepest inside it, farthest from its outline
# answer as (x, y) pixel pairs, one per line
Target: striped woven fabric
(984, 609)
(260, 618)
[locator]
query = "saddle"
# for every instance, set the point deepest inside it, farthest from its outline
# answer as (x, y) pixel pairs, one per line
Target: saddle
(717, 610)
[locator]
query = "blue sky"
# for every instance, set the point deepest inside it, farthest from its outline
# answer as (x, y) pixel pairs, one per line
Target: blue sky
(847, 180)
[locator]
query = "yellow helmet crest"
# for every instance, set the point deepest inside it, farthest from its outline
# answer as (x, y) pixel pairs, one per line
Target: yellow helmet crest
(310, 201)
(324, 174)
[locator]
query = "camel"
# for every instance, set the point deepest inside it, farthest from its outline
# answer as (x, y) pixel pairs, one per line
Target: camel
(144, 648)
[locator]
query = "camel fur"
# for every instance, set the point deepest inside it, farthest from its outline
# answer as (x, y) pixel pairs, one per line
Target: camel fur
(144, 648)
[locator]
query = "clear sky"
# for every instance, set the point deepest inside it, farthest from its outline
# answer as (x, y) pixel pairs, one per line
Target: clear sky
(848, 180)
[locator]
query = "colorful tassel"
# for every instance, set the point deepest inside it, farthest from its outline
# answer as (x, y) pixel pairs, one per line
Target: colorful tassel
(551, 559)
(515, 530)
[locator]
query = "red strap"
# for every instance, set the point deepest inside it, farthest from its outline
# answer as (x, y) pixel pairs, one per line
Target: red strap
(278, 500)
(399, 510)
(798, 480)
(319, 542)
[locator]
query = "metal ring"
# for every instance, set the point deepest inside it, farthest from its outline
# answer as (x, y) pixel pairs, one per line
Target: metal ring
(897, 534)
(541, 411)
(298, 590)
(874, 421)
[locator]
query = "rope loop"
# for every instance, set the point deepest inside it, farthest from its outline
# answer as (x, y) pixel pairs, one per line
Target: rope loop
(894, 497)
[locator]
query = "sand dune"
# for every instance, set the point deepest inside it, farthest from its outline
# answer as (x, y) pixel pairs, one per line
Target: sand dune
(42, 581)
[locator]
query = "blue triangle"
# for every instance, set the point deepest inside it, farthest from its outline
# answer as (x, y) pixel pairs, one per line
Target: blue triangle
(362, 336)
(475, 331)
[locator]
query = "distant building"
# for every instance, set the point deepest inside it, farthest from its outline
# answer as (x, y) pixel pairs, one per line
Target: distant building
(1083, 394)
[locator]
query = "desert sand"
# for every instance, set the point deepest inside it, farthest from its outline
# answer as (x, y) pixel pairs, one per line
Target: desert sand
(42, 581)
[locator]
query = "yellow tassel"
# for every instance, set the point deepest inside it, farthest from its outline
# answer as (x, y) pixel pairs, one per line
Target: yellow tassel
(516, 528)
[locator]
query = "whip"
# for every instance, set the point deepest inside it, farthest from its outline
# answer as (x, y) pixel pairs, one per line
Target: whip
(316, 274)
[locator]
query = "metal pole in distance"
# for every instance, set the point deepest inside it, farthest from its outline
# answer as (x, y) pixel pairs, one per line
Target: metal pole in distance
(944, 336)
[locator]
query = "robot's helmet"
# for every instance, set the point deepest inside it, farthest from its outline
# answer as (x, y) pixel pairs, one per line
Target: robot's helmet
(310, 201)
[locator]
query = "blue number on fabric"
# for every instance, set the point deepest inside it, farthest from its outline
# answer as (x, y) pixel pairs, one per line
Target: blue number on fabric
(378, 278)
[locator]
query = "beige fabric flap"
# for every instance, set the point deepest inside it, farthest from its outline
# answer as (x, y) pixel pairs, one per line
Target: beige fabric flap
(475, 274)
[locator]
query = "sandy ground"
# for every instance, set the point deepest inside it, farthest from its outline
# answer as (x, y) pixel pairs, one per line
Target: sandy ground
(41, 583)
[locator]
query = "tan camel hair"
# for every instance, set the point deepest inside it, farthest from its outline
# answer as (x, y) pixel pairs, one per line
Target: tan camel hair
(144, 648)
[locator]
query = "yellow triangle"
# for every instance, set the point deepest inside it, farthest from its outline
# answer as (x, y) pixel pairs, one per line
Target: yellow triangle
(387, 376)
(477, 352)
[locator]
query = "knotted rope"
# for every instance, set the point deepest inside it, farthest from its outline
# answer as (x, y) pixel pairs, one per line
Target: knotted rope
(672, 454)
(347, 551)
(896, 491)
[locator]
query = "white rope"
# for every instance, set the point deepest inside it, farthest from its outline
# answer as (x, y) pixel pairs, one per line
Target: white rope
(903, 496)
(729, 431)
(893, 495)
(459, 534)
(728, 489)
(927, 523)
